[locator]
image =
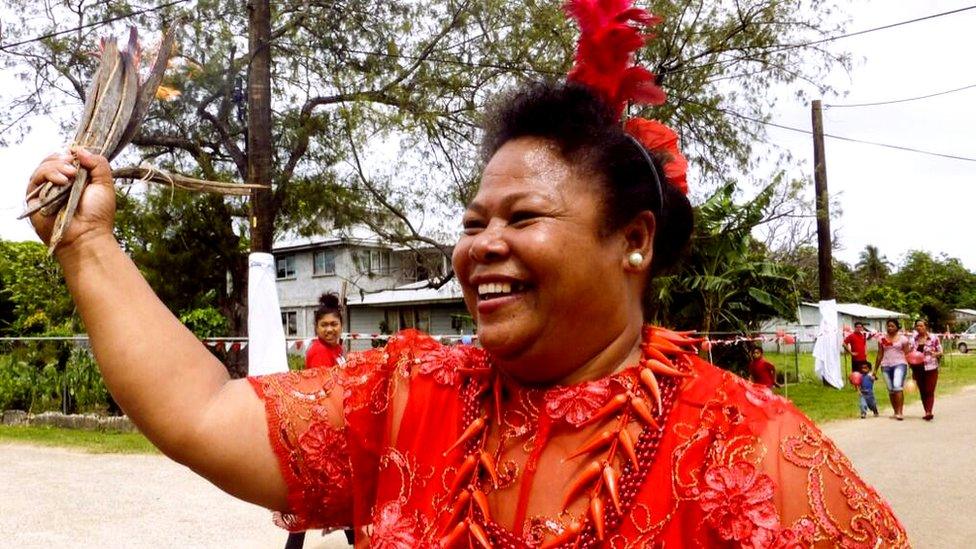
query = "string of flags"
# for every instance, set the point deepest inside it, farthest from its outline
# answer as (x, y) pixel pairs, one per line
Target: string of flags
(301, 344)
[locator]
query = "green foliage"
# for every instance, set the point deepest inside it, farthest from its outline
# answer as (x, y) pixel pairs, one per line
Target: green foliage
(34, 298)
(85, 389)
(16, 384)
(205, 322)
(184, 250)
(37, 380)
(728, 281)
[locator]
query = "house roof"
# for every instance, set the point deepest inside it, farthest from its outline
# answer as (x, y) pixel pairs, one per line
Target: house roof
(353, 235)
(965, 311)
(414, 293)
(859, 310)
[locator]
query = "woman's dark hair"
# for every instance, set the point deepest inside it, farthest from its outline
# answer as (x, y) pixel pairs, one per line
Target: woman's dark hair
(588, 135)
(328, 305)
(895, 322)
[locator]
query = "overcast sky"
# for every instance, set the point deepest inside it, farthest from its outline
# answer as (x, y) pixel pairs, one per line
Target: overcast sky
(896, 200)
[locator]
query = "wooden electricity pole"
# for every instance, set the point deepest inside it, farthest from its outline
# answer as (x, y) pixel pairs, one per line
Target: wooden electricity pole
(825, 266)
(259, 167)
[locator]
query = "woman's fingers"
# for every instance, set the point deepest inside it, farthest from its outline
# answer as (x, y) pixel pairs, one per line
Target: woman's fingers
(99, 172)
(56, 168)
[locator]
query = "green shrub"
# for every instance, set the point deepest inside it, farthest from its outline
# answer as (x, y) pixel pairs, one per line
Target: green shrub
(205, 322)
(16, 384)
(37, 380)
(86, 391)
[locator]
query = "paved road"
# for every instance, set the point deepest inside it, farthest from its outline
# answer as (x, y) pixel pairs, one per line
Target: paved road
(62, 498)
(927, 471)
(52, 497)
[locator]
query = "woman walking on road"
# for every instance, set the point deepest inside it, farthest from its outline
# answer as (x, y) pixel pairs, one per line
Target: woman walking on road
(892, 348)
(926, 374)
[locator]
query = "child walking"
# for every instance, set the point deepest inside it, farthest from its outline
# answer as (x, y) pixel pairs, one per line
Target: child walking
(866, 390)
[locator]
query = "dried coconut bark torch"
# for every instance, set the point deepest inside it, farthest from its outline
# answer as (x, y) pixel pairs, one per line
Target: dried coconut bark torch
(114, 108)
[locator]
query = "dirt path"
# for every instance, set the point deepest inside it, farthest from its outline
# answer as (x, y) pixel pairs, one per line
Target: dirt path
(51, 497)
(61, 498)
(927, 471)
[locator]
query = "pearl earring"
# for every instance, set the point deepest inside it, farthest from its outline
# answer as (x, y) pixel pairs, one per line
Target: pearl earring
(635, 259)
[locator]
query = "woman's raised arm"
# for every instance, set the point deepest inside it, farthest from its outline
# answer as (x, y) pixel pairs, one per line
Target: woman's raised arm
(175, 391)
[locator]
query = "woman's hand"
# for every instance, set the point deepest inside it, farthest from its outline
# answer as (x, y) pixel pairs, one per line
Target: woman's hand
(96, 209)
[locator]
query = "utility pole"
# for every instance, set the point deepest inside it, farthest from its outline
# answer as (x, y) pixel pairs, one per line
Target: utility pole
(825, 268)
(259, 168)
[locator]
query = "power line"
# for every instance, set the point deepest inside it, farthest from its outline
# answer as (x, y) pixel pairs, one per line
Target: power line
(843, 138)
(788, 47)
(906, 100)
(92, 24)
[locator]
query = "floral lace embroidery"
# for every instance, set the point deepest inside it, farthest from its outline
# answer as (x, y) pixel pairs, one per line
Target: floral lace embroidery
(392, 528)
(738, 502)
(315, 459)
(871, 520)
(577, 403)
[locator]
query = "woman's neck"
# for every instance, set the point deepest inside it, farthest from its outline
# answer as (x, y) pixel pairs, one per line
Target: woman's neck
(621, 351)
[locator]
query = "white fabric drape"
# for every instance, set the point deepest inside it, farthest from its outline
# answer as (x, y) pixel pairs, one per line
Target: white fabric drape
(266, 352)
(826, 351)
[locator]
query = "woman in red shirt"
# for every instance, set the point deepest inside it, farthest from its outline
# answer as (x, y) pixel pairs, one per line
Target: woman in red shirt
(326, 350)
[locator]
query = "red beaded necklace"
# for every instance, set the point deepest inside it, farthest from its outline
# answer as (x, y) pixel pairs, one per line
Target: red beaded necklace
(610, 490)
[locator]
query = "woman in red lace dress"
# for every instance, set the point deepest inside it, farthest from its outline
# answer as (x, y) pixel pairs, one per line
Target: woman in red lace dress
(574, 425)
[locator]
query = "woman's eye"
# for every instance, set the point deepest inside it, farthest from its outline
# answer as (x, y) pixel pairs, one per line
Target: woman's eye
(472, 227)
(522, 217)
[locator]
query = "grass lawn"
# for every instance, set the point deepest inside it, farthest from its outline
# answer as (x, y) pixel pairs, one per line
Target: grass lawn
(825, 403)
(92, 441)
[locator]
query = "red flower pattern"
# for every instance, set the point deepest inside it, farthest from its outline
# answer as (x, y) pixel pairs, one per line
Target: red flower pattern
(577, 403)
(738, 502)
(392, 529)
(324, 447)
(443, 364)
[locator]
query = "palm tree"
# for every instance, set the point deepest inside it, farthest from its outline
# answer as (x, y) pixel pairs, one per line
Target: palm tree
(873, 266)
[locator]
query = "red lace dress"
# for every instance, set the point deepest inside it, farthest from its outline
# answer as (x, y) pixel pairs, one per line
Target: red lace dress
(384, 444)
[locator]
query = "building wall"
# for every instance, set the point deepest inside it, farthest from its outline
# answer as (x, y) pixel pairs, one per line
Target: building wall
(439, 319)
(300, 293)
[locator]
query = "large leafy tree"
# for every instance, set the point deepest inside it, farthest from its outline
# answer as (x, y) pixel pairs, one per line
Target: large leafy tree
(376, 104)
(728, 281)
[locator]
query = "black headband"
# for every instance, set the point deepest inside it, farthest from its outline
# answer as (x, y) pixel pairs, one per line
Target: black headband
(659, 197)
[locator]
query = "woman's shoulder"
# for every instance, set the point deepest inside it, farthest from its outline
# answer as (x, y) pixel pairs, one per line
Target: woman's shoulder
(736, 439)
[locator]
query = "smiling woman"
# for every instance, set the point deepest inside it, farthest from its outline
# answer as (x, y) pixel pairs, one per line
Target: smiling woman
(576, 425)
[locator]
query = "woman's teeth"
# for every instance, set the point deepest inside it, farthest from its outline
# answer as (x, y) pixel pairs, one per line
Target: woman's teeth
(498, 288)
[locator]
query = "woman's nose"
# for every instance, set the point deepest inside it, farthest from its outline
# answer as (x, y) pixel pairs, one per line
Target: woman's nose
(489, 245)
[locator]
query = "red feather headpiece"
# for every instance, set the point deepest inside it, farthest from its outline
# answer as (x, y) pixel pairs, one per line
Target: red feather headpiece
(610, 33)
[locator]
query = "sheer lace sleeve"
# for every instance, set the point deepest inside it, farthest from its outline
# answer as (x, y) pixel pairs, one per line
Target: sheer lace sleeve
(819, 497)
(329, 428)
(763, 475)
(308, 435)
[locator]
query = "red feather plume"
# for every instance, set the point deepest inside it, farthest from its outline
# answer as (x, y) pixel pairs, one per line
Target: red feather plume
(610, 33)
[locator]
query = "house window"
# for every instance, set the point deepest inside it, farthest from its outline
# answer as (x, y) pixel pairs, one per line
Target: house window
(289, 321)
(286, 267)
(375, 262)
(408, 317)
(323, 262)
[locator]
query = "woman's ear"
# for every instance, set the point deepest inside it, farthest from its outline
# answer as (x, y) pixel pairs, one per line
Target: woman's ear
(639, 237)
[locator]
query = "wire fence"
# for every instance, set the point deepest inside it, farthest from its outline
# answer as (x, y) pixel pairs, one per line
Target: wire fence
(51, 373)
